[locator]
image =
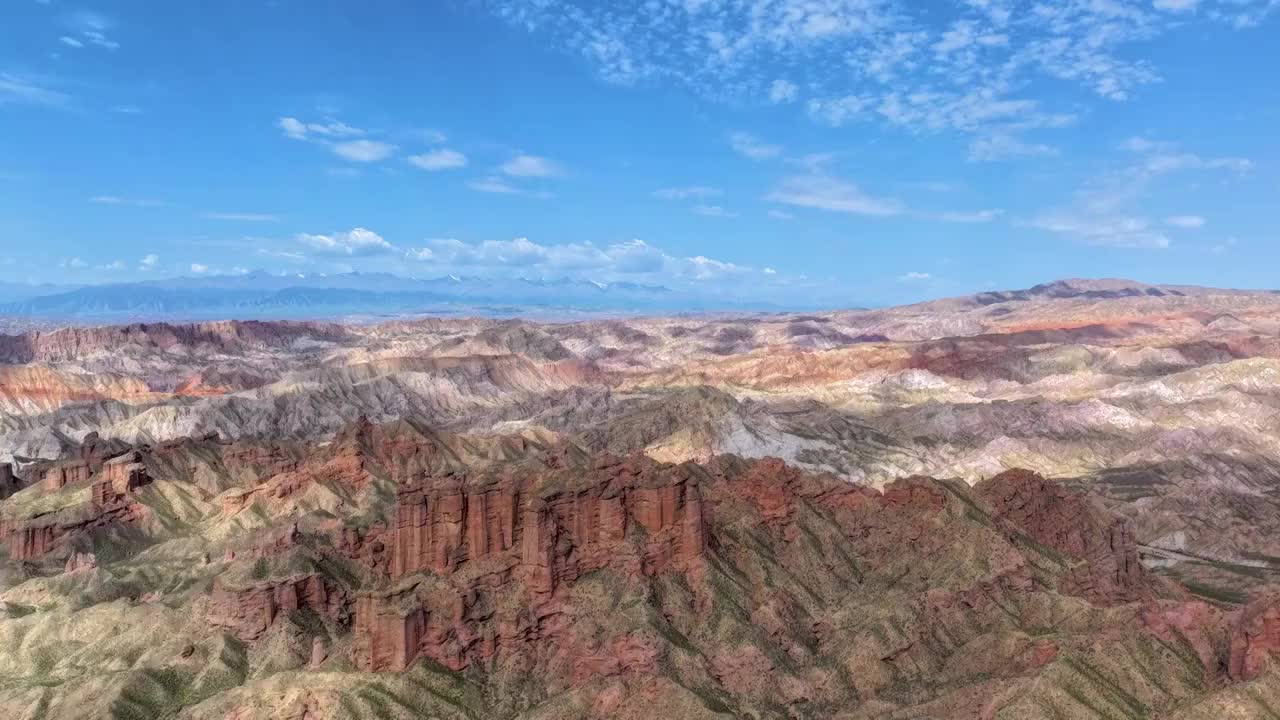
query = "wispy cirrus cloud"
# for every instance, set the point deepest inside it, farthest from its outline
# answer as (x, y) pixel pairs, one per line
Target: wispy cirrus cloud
(89, 30)
(22, 90)
(127, 201)
(748, 145)
(687, 192)
(969, 65)
(1118, 232)
(713, 211)
(493, 184)
(1186, 222)
(971, 216)
(1003, 147)
(825, 192)
(1107, 210)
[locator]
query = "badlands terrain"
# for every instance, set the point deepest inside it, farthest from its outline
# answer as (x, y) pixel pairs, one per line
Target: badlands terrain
(1059, 502)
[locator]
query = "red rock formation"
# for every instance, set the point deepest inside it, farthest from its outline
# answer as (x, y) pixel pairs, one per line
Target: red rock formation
(1197, 623)
(111, 503)
(30, 541)
(1071, 524)
(248, 612)
(65, 473)
(117, 478)
(1255, 635)
(433, 521)
(531, 534)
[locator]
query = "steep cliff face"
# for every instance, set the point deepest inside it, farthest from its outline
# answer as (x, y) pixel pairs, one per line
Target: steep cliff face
(63, 474)
(490, 570)
(247, 612)
(111, 490)
(531, 535)
(117, 478)
(1109, 571)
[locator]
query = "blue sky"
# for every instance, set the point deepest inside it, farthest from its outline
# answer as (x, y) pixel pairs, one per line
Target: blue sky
(866, 151)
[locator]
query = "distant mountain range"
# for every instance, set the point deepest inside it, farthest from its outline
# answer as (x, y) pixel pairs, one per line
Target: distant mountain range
(263, 295)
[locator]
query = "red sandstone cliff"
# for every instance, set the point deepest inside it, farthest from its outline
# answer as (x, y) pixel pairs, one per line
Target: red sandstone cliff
(112, 502)
(1050, 514)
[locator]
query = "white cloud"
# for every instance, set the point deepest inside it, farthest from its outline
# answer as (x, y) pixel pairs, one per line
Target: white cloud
(355, 243)
(1119, 231)
(240, 216)
(530, 166)
(148, 262)
(1003, 147)
(781, 215)
(783, 91)
(117, 200)
(712, 211)
(828, 193)
(198, 268)
(98, 39)
(838, 111)
(974, 216)
(442, 159)
(769, 271)
(299, 130)
(27, 91)
(968, 65)
(1119, 189)
(636, 256)
(632, 257)
(749, 145)
(88, 28)
(73, 263)
(914, 276)
(1177, 6)
(112, 266)
(364, 151)
(1162, 163)
(685, 193)
(520, 251)
(705, 268)
(1189, 222)
(493, 184)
